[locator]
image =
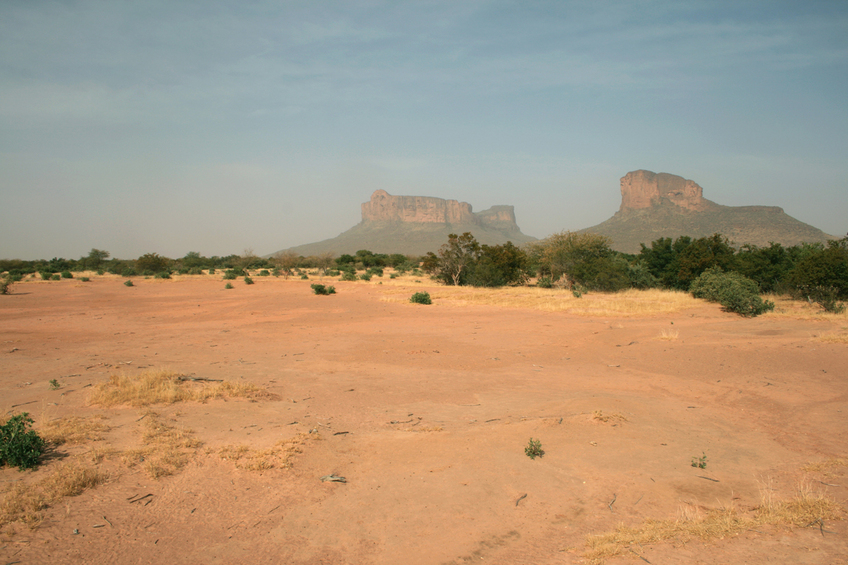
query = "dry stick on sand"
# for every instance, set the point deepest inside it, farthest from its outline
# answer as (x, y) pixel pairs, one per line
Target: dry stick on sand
(520, 498)
(614, 497)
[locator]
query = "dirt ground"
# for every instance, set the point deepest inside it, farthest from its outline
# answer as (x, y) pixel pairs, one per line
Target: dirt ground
(426, 411)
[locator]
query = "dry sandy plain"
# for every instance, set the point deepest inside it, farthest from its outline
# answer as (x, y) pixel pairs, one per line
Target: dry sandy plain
(426, 411)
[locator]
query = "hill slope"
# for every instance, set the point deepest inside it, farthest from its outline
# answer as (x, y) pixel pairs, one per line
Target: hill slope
(664, 205)
(414, 225)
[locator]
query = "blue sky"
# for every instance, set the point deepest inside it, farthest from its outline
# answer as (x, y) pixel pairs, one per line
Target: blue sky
(209, 126)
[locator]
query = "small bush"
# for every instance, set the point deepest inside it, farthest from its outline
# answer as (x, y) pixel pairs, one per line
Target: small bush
(248, 280)
(84, 279)
(128, 272)
(264, 273)
(100, 272)
(67, 275)
(304, 277)
(54, 384)
(276, 272)
(195, 271)
(534, 449)
(211, 270)
(393, 276)
(545, 282)
(421, 298)
(824, 296)
(19, 446)
(365, 276)
(228, 286)
(56, 277)
(128, 283)
(5, 286)
(45, 275)
(230, 275)
(333, 273)
(349, 276)
(321, 289)
(737, 293)
(162, 275)
(700, 462)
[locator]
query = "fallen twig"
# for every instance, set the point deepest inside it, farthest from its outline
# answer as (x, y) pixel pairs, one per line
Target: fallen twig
(24, 403)
(108, 522)
(133, 498)
(204, 379)
(340, 433)
(614, 497)
(333, 479)
(520, 498)
(637, 555)
(828, 484)
(637, 502)
(708, 478)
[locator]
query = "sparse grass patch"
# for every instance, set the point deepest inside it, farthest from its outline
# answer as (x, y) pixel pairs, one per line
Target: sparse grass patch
(24, 502)
(277, 457)
(164, 387)
(617, 418)
(619, 304)
(165, 449)
(832, 338)
(74, 430)
(805, 509)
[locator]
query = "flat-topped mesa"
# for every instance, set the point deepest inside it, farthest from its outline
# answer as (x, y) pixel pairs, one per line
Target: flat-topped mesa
(383, 207)
(645, 189)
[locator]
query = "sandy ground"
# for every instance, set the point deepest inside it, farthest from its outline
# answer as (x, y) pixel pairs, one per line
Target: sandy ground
(426, 411)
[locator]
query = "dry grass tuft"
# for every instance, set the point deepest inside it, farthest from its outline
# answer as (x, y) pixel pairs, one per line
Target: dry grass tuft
(278, 457)
(25, 502)
(165, 449)
(668, 335)
(826, 466)
(786, 307)
(599, 416)
(74, 430)
(164, 387)
(805, 509)
(620, 304)
(832, 338)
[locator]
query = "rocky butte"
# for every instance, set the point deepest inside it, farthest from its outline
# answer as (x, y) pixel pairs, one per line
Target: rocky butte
(665, 205)
(414, 225)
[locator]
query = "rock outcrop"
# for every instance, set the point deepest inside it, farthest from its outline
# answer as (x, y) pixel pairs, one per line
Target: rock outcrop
(664, 205)
(384, 207)
(644, 189)
(414, 225)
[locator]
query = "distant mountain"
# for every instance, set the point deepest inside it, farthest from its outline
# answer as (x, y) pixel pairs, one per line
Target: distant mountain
(664, 205)
(414, 225)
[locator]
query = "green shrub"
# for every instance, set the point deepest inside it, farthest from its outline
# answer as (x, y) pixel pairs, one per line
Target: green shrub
(5, 286)
(211, 270)
(276, 272)
(737, 293)
(84, 279)
(545, 282)
(195, 271)
(333, 273)
(100, 272)
(128, 283)
(348, 275)
(304, 277)
(67, 275)
(228, 286)
(248, 280)
(824, 296)
(162, 275)
(45, 275)
(376, 271)
(264, 273)
(393, 276)
(56, 277)
(19, 446)
(128, 272)
(534, 449)
(230, 275)
(365, 276)
(321, 289)
(421, 298)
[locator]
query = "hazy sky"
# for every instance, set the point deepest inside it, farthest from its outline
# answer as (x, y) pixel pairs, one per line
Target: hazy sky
(209, 126)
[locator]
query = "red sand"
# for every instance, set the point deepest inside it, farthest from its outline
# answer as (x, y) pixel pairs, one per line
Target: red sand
(438, 403)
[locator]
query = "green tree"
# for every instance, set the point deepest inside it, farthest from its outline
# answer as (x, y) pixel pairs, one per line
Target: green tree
(498, 265)
(578, 258)
(454, 258)
(95, 258)
(286, 261)
(152, 262)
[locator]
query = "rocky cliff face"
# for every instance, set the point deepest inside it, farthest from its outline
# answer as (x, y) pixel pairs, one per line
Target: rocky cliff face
(644, 189)
(384, 207)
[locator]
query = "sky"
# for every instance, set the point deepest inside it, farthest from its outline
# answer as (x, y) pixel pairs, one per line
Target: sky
(216, 127)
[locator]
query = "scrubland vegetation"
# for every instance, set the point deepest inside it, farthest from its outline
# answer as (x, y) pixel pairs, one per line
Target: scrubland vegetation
(708, 267)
